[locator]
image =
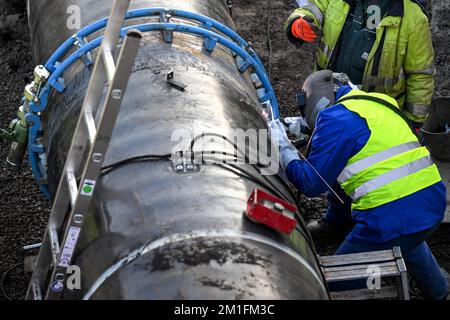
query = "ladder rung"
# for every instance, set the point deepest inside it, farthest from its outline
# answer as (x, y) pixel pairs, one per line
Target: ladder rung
(90, 124)
(72, 186)
(110, 65)
(364, 257)
(54, 244)
(36, 291)
(360, 268)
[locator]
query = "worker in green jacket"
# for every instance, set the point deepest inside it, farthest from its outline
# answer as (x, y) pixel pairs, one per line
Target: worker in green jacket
(382, 45)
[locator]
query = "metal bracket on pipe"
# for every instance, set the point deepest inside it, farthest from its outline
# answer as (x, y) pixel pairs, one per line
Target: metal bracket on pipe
(79, 43)
(165, 17)
(176, 84)
(183, 162)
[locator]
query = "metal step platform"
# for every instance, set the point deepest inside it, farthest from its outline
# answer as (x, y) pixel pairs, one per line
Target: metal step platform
(361, 266)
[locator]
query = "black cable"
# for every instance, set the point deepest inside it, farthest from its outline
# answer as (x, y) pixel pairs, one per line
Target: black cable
(225, 139)
(256, 166)
(2, 281)
(144, 158)
(193, 142)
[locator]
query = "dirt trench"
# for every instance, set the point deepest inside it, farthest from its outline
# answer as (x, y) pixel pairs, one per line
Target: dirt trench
(23, 210)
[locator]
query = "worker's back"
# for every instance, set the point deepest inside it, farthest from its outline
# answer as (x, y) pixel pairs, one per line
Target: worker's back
(412, 213)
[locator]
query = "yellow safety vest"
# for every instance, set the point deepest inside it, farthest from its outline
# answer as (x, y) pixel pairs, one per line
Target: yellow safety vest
(392, 164)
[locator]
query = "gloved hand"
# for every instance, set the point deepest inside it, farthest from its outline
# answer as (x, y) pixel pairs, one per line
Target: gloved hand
(297, 126)
(288, 152)
(305, 29)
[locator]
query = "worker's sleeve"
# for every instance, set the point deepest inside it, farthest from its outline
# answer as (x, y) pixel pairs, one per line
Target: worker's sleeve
(331, 149)
(419, 70)
(313, 8)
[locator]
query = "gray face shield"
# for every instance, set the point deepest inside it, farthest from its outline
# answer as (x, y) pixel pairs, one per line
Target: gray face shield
(319, 92)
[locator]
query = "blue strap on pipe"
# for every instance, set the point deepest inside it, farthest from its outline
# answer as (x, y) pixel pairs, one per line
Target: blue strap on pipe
(228, 38)
(141, 13)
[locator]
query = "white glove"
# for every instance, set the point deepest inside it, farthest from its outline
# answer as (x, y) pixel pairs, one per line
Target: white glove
(288, 152)
(295, 126)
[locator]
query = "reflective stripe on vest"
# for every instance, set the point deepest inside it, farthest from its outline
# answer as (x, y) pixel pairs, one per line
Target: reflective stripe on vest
(365, 163)
(376, 81)
(418, 109)
(391, 176)
(305, 4)
(325, 49)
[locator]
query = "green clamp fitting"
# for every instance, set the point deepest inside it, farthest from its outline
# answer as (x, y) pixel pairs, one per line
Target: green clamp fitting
(18, 134)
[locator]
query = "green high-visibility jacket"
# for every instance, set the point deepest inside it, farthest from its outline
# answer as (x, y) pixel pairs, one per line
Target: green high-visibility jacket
(401, 62)
(392, 164)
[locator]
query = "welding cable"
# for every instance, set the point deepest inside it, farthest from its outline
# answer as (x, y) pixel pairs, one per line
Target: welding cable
(256, 166)
(145, 158)
(275, 191)
(221, 136)
(232, 143)
(2, 281)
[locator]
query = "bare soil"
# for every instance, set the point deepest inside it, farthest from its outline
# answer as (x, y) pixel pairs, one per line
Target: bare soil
(24, 212)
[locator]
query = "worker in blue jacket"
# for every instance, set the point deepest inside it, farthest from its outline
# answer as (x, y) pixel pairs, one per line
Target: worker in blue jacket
(381, 177)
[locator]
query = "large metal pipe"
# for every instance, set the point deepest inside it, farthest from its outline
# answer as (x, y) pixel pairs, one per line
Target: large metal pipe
(194, 241)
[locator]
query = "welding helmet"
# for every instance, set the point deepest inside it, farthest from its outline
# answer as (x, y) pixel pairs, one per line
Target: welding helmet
(317, 94)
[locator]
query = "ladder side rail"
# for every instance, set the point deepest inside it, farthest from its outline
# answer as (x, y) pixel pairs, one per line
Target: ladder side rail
(34, 291)
(97, 153)
(115, 23)
(50, 246)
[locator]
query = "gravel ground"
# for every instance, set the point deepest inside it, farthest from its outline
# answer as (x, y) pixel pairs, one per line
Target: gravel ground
(23, 211)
